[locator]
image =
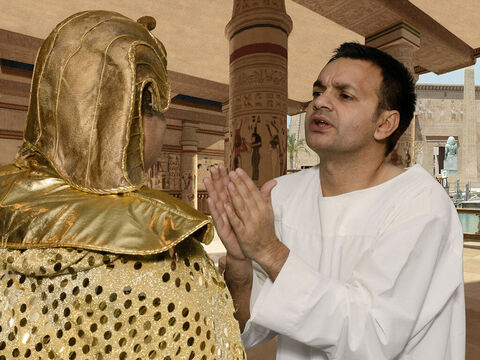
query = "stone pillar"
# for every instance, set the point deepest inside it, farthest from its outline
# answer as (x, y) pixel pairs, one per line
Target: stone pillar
(227, 131)
(189, 161)
(400, 41)
(258, 34)
(468, 149)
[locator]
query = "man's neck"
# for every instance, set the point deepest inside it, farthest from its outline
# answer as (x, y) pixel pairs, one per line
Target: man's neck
(342, 175)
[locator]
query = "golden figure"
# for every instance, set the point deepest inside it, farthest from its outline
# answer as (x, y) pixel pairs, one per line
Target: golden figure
(94, 265)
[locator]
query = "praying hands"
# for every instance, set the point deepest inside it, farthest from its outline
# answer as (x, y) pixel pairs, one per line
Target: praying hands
(243, 217)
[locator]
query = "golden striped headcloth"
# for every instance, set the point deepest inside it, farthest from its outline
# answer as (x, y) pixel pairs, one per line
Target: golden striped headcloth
(84, 115)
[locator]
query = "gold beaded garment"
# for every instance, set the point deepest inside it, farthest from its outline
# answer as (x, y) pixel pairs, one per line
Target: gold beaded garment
(77, 304)
(92, 264)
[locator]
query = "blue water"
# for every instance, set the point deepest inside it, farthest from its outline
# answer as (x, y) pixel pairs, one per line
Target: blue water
(469, 223)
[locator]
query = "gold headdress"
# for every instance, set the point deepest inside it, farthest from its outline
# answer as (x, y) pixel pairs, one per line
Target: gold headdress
(77, 180)
(84, 115)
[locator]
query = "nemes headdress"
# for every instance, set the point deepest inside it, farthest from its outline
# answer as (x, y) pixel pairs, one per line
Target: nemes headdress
(84, 115)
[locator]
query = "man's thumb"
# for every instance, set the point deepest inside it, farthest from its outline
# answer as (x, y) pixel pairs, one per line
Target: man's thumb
(267, 188)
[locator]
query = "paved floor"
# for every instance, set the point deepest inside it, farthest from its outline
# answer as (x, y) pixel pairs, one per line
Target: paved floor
(471, 267)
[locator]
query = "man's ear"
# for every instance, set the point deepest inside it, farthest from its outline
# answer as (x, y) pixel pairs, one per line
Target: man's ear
(387, 123)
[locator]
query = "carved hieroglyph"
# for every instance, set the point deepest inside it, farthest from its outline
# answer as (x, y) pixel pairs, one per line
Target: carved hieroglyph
(256, 141)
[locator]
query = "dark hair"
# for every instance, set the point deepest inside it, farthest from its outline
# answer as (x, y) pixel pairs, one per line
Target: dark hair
(397, 91)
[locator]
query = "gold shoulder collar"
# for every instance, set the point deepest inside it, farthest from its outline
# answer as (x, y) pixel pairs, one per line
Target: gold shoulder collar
(39, 210)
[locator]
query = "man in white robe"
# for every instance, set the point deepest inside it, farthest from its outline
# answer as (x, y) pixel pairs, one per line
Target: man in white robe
(354, 258)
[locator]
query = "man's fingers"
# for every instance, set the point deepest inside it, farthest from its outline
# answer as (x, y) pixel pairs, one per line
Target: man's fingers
(222, 170)
(251, 198)
(236, 199)
(246, 179)
(234, 220)
(216, 187)
(267, 189)
(212, 193)
(216, 215)
(239, 185)
(225, 180)
(214, 173)
(217, 180)
(249, 185)
(224, 229)
(220, 181)
(225, 218)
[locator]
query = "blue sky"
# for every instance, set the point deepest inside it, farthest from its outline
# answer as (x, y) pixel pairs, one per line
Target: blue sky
(451, 78)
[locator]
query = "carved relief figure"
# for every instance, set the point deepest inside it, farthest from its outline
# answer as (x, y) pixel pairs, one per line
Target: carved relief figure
(256, 145)
(187, 181)
(274, 148)
(239, 146)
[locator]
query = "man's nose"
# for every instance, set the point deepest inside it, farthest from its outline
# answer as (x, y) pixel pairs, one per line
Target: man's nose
(322, 101)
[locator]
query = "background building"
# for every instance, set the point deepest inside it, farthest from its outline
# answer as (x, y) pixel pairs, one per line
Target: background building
(449, 110)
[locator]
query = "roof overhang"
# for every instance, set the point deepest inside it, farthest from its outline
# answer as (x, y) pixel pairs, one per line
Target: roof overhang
(198, 52)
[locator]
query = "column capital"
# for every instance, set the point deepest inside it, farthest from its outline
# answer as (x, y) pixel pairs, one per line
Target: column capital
(400, 41)
(401, 33)
(262, 16)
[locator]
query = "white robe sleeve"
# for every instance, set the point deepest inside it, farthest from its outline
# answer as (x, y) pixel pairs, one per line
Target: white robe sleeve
(374, 313)
(255, 334)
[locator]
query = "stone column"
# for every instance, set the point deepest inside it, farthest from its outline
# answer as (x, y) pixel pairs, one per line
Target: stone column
(468, 149)
(189, 161)
(258, 34)
(400, 41)
(227, 131)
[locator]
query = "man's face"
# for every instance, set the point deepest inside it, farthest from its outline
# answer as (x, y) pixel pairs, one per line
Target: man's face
(341, 118)
(154, 125)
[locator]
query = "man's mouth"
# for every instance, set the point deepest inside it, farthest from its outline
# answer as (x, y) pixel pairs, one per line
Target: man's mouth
(319, 123)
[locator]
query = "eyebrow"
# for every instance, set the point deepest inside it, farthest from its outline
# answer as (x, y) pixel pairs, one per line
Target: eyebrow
(336, 85)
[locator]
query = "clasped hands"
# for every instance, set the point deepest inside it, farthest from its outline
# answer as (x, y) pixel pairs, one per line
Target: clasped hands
(243, 217)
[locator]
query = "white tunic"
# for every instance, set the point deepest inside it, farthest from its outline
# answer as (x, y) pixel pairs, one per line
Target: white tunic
(372, 274)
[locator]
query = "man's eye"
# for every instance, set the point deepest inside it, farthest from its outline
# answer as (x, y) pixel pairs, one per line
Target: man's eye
(316, 93)
(346, 96)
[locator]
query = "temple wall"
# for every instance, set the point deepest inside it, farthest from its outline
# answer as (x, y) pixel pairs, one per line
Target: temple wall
(440, 114)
